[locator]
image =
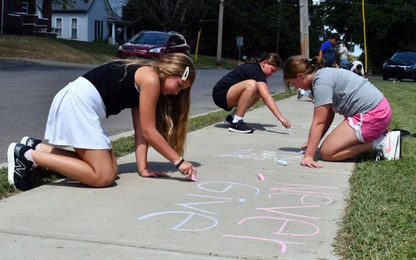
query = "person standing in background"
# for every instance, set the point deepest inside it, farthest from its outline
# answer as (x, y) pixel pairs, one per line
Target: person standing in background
(343, 52)
(328, 52)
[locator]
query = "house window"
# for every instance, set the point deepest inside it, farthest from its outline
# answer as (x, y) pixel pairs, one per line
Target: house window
(74, 31)
(98, 29)
(58, 27)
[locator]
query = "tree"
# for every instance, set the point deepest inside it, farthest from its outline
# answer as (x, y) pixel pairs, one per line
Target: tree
(165, 15)
(65, 3)
(258, 22)
(388, 23)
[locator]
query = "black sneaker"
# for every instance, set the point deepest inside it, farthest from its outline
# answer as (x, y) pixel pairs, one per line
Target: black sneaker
(30, 141)
(18, 166)
(240, 127)
(228, 120)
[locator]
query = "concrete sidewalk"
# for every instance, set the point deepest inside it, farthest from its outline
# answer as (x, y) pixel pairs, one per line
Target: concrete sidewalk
(293, 213)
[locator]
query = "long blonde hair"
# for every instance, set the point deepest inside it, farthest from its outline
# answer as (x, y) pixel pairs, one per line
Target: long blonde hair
(172, 111)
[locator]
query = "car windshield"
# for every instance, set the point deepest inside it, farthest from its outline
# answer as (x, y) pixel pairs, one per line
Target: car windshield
(150, 38)
(404, 56)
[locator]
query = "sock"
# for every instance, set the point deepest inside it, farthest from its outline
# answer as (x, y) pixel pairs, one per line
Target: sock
(237, 118)
(37, 147)
(28, 156)
(379, 141)
(233, 113)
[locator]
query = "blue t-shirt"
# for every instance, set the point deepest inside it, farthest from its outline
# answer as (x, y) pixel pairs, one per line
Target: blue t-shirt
(328, 52)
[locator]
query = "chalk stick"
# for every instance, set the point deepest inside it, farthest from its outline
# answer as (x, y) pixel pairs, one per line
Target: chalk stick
(281, 162)
(302, 151)
(193, 177)
(261, 177)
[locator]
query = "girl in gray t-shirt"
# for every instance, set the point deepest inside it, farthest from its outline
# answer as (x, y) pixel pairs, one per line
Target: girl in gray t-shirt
(367, 112)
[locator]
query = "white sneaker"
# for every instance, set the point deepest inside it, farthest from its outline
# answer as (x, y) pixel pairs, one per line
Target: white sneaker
(391, 147)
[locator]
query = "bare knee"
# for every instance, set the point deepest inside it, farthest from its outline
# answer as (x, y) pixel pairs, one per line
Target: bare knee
(326, 155)
(327, 152)
(251, 86)
(104, 178)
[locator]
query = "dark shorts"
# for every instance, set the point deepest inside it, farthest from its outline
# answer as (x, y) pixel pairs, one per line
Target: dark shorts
(219, 95)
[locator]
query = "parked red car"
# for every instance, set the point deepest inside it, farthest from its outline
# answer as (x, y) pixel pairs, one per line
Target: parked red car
(154, 44)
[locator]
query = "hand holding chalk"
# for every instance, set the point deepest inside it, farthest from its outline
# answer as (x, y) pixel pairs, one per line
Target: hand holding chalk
(193, 177)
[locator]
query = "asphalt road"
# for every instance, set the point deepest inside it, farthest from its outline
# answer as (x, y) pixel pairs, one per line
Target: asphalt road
(27, 90)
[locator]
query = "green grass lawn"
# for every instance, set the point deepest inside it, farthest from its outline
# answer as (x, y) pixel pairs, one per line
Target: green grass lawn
(36, 47)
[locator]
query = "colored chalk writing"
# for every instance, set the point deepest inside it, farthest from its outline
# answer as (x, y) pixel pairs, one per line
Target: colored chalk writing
(282, 224)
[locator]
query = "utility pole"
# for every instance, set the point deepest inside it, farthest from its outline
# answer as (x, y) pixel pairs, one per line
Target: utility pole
(304, 28)
(365, 38)
(220, 24)
(279, 25)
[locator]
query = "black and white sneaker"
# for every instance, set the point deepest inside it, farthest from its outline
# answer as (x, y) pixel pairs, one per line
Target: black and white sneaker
(228, 120)
(30, 141)
(19, 168)
(240, 127)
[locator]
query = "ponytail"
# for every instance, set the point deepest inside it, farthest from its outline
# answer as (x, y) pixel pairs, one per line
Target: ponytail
(299, 64)
(317, 63)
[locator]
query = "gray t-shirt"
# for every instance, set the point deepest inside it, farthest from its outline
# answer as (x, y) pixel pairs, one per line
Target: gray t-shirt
(348, 93)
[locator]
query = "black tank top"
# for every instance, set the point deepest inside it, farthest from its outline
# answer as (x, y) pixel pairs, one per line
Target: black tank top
(115, 85)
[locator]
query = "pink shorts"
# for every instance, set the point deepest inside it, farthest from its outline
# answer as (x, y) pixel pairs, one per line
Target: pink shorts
(373, 124)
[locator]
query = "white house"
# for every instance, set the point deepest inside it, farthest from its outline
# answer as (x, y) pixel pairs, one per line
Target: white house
(94, 20)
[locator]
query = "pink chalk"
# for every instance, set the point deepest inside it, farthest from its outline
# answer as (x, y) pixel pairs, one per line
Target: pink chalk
(193, 177)
(261, 177)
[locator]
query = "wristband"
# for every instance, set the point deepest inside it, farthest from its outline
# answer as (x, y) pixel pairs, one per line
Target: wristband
(177, 161)
(179, 164)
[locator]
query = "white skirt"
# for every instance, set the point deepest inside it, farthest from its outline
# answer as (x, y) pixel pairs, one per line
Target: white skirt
(75, 117)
